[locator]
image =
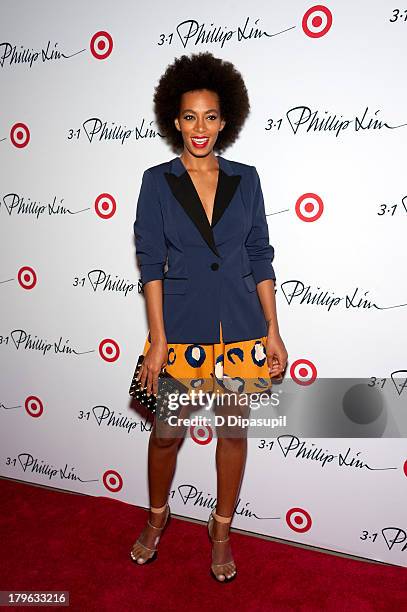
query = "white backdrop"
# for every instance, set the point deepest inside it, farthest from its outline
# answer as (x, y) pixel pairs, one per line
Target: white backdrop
(76, 123)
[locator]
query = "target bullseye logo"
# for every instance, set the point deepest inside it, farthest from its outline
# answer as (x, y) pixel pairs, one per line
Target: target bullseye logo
(27, 277)
(101, 45)
(109, 350)
(34, 406)
(112, 481)
(317, 21)
(303, 372)
(309, 207)
(405, 468)
(105, 205)
(299, 520)
(20, 135)
(201, 434)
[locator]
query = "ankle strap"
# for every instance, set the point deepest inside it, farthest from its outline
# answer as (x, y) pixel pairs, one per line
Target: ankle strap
(160, 528)
(154, 527)
(225, 522)
(160, 510)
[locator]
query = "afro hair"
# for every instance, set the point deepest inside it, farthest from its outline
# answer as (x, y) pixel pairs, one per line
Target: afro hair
(201, 71)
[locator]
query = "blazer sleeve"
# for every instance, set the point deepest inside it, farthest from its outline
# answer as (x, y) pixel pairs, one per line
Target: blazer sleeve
(151, 247)
(260, 251)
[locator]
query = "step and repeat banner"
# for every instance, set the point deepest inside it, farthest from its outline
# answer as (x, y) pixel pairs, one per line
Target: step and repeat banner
(327, 133)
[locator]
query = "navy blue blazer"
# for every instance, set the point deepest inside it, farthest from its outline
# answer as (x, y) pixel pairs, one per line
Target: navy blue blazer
(212, 269)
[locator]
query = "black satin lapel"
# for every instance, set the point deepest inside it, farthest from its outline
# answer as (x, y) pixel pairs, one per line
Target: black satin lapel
(184, 191)
(227, 185)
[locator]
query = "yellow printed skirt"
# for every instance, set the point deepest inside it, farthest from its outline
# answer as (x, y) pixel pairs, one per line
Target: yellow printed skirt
(232, 367)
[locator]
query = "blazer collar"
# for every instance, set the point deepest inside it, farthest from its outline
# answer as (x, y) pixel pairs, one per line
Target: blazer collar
(184, 191)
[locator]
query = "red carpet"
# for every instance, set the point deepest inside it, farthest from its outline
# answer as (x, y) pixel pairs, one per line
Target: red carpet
(59, 541)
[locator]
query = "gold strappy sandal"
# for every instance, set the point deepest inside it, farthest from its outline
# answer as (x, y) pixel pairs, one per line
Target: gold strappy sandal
(154, 552)
(212, 572)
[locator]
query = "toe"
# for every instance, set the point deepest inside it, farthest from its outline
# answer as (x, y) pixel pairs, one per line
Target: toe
(136, 554)
(231, 571)
(219, 574)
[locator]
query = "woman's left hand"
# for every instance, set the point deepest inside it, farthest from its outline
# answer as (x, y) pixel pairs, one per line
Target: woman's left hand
(276, 354)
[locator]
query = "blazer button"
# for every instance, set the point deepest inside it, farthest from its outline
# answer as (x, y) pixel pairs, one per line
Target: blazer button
(214, 266)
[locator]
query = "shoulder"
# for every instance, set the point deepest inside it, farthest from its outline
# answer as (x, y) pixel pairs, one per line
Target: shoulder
(250, 177)
(248, 173)
(157, 169)
(239, 167)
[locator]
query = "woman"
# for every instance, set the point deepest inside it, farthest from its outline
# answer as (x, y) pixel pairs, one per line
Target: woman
(212, 314)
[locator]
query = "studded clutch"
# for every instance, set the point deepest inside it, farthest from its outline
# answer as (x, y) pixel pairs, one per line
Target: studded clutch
(169, 388)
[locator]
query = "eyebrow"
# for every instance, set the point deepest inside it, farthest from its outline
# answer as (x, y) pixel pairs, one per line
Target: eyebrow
(208, 111)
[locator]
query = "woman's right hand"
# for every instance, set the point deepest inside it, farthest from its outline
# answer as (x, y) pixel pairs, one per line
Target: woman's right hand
(154, 360)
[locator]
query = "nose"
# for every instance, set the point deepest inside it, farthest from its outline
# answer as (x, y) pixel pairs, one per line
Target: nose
(201, 125)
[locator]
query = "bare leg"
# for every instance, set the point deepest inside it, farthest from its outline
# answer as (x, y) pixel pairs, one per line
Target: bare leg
(162, 457)
(231, 453)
